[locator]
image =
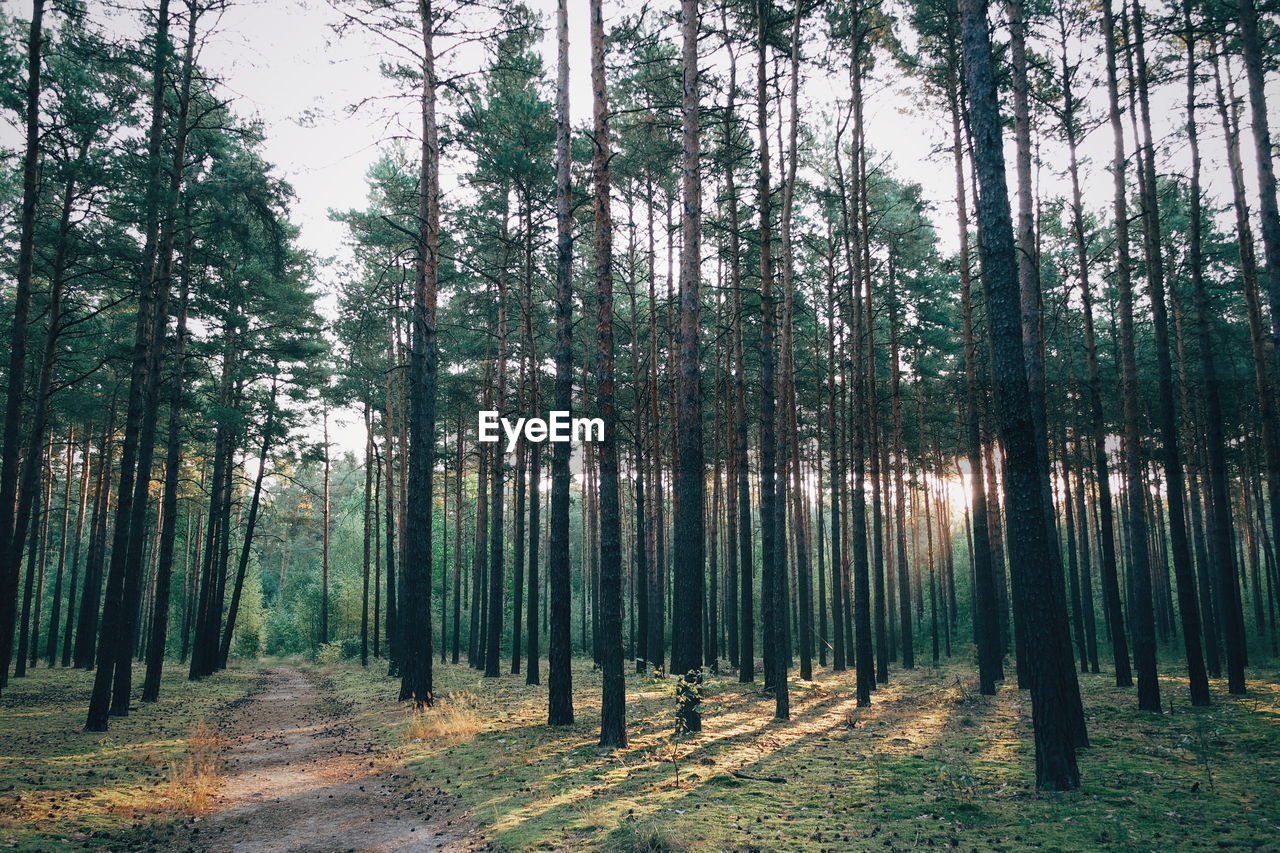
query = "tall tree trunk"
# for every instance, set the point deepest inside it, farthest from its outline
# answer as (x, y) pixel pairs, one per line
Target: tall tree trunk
(687, 620)
(838, 652)
(173, 464)
(613, 731)
(1050, 694)
(1139, 563)
(457, 549)
(789, 439)
(744, 556)
(1112, 609)
(246, 545)
(77, 540)
(11, 449)
(1166, 414)
(415, 622)
(773, 584)
(389, 505)
(899, 492)
(559, 675)
(112, 681)
(91, 596)
(325, 522)
(986, 608)
(497, 476)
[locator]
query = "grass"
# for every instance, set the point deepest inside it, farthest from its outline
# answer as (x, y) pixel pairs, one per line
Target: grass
(193, 778)
(930, 764)
(62, 788)
(453, 720)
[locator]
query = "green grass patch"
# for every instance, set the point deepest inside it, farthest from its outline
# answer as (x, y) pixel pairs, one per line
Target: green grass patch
(62, 788)
(930, 763)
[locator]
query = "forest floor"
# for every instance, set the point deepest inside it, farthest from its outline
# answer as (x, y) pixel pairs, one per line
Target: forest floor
(287, 755)
(930, 763)
(282, 766)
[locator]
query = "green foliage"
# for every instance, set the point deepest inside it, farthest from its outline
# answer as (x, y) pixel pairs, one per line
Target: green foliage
(688, 693)
(248, 640)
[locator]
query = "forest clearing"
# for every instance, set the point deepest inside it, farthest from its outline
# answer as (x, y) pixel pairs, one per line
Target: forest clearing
(932, 764)
(757, 425)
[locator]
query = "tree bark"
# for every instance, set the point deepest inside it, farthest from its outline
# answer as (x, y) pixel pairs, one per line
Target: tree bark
(1055, 740)
(613, 732)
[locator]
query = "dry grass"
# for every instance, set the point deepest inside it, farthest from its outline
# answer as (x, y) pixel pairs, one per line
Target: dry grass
(63, 789)
(195, 777)
(453, 719)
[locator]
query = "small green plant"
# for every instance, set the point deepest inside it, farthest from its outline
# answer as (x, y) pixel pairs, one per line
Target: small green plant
(1204, 746)
(645, 837)
(329, 653)
(689, 703)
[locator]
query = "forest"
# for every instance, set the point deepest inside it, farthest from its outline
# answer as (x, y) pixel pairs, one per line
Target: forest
(935, 351)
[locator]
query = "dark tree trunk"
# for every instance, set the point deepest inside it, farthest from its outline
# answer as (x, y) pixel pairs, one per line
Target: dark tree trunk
(687, 620)
(78, 540)
(1167, 417)
(1050, 693)
(91, 596)
(497, 481)
(1109, 572)
(559, 675)
(613, 731)
(1139, 564)
(173, 464)
(415, 621)
(115, 645)
(1232, 619)
(986, 607)
(11, 449)
(228, 631)
(457, 551)
(771, 580)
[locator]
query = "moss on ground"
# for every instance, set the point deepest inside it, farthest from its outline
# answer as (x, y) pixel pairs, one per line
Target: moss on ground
(930, 764)
(62, 788)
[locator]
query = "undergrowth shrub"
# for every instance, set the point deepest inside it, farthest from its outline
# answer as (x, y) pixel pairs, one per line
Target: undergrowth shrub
(194, 778)
(645, 837)
(452, 719)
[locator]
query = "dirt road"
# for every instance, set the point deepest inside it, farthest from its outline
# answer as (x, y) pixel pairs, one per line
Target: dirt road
(300, 774)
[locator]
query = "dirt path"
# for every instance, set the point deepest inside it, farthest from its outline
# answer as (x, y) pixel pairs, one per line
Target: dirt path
(300, 774)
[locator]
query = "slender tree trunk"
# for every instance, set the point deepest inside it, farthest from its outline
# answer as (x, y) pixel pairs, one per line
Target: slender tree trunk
(415, 624)
(789, 443)
(688, 619)
(389, 508)
(11, 449)
(775, 667)
(173, 465)
(1112, 610)
(613, 731)
(559, 675)
(112, 681)
(457, 551)
(91, 597)
(1139, 564)
(367, 534)
(325, 521)
(246, 544)
(1167, 417)
(78, 540)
